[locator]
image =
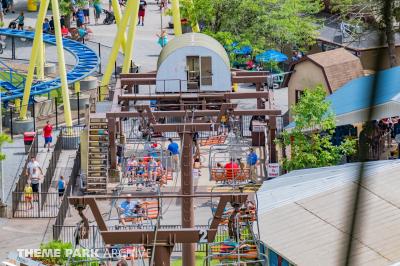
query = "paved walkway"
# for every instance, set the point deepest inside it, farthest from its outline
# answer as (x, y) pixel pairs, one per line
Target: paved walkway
(15, 160)
(29, 233)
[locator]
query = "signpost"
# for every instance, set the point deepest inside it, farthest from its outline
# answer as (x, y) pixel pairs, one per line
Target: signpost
(273, 170)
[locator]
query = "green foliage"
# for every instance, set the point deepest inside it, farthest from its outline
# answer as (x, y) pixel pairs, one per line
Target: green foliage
(310, 139)
(76, 260)
(262, 23)
(4, 138)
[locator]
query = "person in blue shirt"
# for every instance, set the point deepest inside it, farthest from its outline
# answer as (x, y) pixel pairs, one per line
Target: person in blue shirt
(126, 209)
(173, 148)
(252, 160)
(80, 18)
(61, 187)
(46, 26)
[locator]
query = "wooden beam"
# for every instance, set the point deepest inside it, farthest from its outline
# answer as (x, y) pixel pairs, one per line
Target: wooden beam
(197, 96)
(137, 75)
(147, 237)
(249, 73)
(249, 79)
(137, 81)
(199, 113)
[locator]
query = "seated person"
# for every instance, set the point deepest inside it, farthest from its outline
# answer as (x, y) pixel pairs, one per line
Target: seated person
(140, 170)
(232, 169)
(152, 169)
(126, 210)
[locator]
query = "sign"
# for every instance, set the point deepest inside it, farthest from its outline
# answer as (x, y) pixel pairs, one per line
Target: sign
(273, 170)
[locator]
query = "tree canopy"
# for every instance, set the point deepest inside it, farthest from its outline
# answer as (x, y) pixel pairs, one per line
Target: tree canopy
(3, 138)
(310, 139)
(262, 23)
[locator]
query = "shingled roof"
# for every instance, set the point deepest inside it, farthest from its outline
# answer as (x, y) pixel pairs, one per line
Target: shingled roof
(339, 66)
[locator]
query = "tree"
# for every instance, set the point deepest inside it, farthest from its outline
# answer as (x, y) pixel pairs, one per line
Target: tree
(381, 15)
(263, 23)
(4, 138)
(310, 139)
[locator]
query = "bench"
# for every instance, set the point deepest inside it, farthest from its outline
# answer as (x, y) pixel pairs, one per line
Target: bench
(230, 174)
(220, 139)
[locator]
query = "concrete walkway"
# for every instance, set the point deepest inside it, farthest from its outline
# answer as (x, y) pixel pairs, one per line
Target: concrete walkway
(29, 233)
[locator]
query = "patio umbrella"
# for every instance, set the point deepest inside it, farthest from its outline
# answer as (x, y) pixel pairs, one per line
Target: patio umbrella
(271, 55)
(245, 50)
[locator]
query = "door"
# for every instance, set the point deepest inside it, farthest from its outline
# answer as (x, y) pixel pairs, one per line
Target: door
(193, 72)
(206, 71)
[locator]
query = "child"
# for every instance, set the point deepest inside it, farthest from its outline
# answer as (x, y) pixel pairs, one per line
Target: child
(162, 38)
(61, 187)
(28, 193)
(139, 173)
(20, 20)
(152, 169)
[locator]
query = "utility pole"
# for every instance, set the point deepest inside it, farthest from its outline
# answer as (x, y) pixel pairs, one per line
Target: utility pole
(2, 200)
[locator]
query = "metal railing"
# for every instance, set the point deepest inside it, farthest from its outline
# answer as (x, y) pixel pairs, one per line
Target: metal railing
(40, 205)
(63, 210)
(23, 178)
(51, 169)
(67, 233)
(71, 136)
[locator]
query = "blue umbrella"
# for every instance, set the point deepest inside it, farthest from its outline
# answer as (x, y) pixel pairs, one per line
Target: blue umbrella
(271, 55)
(245, 50)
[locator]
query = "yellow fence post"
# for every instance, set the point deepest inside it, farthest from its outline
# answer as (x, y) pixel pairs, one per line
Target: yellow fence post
(117, 13)
(131, 37)
(61, 63)
(117, 43)
(177, 17)
(31, 69)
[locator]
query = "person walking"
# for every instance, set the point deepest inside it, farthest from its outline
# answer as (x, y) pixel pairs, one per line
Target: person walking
(28, 193)
(86, 9)
(173, 148)
(162, 38)
(98, 9)
(35, 180)
(20, 19)
(252, 160)
(61, 187)
(32, 165)
(48, 135)
(142, 12)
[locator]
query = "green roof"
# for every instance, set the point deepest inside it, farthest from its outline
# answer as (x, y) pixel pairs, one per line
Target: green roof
(196, 40)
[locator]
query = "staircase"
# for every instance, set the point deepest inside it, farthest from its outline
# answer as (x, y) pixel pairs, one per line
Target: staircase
(97, 155)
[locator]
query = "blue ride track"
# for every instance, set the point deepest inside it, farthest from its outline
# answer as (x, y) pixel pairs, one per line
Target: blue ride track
(87, 62)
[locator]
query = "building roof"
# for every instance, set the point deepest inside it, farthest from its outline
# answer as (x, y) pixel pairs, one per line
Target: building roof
(350, 103)
(339, 66)
(369, 39)
(305, 214)
(195, 40)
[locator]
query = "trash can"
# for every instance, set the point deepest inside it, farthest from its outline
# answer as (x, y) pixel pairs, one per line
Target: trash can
(32, 5)
(28, 139)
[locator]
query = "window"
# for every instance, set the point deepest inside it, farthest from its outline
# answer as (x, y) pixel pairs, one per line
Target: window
(298, 94)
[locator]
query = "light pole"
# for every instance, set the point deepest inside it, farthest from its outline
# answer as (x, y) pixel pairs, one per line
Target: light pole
(2, 200)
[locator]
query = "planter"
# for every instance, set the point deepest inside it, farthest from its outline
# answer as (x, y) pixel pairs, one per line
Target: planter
(83, 101)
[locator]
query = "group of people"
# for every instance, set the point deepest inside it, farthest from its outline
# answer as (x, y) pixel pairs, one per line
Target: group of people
(235, 167)
(130, 209)
(145, 172)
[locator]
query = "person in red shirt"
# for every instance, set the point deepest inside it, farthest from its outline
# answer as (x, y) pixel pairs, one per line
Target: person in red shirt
(231, 169)
(48, 135)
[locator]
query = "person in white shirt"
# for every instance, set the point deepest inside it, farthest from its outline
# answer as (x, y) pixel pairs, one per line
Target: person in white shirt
(32, 165)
